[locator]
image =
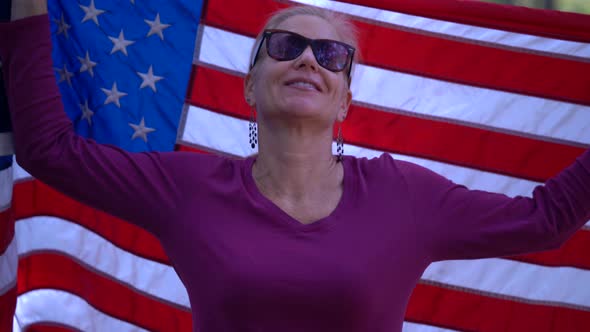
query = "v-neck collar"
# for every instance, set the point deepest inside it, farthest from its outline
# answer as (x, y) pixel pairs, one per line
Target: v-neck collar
(277, 214)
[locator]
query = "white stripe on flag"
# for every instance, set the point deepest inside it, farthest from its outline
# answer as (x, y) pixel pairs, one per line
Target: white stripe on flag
(503, 111)
(19, 174)
(59, 307)
(216, 131)
(414, 327)
(463, 31)
(6, 178)
(44, 233)
(559, 285)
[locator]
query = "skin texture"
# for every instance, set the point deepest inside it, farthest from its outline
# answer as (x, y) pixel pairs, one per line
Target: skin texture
(295, 167)
(273, 98)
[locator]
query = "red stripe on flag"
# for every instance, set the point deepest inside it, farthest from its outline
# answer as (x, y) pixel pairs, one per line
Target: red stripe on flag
(6, 229)
(461, 310)
(33, 198)
(477, 65)
(452, 143)
(7, 307)
(184, 147)
(245, 17)
(47, 270)
(476, 148)
(553, 24)
(438, 57)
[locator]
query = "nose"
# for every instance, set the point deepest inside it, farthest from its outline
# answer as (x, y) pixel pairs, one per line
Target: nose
(306, 59)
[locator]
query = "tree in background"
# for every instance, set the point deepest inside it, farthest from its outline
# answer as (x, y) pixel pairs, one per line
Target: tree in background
(581, 6)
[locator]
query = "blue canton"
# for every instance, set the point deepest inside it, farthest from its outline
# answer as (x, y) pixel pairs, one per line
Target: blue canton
(123, 67)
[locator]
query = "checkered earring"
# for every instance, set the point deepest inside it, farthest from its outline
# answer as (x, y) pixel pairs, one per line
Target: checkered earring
(253, 130)
(339, 143)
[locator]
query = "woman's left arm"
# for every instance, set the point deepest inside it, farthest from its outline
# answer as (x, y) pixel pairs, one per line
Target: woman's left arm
(458, 223)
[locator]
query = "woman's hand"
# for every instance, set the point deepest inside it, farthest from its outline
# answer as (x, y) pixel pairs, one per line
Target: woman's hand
(25, 8)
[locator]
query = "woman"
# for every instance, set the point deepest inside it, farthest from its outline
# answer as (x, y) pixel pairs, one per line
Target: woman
(293, 239)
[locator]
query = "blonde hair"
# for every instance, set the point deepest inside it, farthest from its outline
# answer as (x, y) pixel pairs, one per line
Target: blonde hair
(344, 27)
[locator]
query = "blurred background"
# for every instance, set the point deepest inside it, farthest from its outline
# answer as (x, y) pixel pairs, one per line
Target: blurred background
(580, 6)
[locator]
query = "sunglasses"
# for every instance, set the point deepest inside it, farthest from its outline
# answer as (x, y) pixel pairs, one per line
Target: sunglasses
(284, 45)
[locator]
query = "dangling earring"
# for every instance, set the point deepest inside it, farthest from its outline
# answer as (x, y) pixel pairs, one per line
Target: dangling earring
(253, 129)
(339, 143)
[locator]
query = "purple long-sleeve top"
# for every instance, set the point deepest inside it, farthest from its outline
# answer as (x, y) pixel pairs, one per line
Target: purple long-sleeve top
(246, 264)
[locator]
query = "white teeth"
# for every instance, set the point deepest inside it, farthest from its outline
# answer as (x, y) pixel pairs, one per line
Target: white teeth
(303, 85)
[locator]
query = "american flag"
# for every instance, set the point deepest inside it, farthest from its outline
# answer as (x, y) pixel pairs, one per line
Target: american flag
(490, 96)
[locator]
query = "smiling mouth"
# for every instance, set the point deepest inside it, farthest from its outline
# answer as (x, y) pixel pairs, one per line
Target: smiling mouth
(303, 85)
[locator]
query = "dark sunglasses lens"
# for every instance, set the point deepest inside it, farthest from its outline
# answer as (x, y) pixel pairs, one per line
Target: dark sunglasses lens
(285, 46)
(331, 55)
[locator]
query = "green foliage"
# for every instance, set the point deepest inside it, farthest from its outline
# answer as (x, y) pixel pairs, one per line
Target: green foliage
(579, 6)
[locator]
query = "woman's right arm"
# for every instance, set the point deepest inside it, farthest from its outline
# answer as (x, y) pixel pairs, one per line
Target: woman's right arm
(143, 188)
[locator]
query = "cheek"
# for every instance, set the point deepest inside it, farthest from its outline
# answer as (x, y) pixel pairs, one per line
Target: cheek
(265, 92)
(265, 79)
(340, 93)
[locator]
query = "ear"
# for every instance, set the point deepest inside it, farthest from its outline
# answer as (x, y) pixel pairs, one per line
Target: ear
(249, 89)
(344, 105)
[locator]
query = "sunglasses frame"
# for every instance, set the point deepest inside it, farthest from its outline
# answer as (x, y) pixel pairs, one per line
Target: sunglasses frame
(309, 41)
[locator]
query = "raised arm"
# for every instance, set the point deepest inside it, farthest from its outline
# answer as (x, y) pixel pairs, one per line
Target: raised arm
(144, 188)
(458, 223)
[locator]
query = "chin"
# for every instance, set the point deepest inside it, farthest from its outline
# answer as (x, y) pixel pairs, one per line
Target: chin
(303, 105)
(301, 109)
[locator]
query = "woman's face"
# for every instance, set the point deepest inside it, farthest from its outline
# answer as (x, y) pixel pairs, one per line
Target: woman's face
(301, 87)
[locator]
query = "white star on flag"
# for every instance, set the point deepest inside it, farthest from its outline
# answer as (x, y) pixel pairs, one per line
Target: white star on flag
(62, 26)
(91, 13)
(87, 64)
(156, 27)
(140, 130)
(86, 112)
(149, 79)
(64, 75)
(120, 43)
(113, 95)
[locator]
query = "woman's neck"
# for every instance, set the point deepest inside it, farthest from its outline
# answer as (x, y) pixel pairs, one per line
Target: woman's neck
(296, 163)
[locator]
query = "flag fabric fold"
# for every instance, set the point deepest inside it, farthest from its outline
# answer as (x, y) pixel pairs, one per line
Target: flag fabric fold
(490, 96)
